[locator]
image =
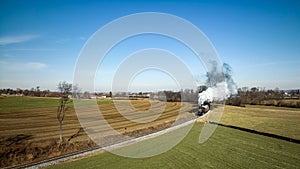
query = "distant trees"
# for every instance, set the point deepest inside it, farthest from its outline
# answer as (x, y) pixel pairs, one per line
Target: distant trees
(32, 92)
(172, 96)
(76, 91)
(73, 91)
(87, 95)
(189, 95)
(261, 96)
(186, 95)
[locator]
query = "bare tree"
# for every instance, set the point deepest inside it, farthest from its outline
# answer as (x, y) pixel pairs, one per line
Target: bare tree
(65, 90)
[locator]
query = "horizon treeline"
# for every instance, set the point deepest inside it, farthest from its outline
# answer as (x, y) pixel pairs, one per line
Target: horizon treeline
(260, 96)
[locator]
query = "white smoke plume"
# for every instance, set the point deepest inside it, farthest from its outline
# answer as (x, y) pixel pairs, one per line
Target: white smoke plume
(221, 87)
(217, 93)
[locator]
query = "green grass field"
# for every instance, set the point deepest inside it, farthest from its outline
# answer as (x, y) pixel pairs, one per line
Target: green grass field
(20, 103)
(12, 103)
(227, 148)
(276, 120)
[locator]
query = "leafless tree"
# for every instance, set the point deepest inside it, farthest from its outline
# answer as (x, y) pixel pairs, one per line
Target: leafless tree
(65, 89)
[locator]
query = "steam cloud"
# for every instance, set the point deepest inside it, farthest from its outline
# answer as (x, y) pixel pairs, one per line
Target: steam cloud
(221, 85)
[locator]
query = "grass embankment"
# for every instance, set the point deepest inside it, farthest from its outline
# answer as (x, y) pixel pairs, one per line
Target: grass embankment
(227, 148)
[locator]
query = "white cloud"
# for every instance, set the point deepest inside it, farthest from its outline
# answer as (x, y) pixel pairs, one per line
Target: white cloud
(35, 65)
(21, 66)
(30, 49)
(16, 39)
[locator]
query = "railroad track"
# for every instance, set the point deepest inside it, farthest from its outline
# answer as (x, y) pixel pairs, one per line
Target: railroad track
(78, 154)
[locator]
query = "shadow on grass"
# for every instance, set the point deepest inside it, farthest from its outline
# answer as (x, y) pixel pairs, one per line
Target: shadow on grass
(258, 132)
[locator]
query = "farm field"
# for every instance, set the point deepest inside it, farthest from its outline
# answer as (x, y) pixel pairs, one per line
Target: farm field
(27, 123)
(34, 121)
(37, 116)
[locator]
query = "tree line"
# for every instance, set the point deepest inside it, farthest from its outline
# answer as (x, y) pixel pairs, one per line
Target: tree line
(29, 92)
(261, 96)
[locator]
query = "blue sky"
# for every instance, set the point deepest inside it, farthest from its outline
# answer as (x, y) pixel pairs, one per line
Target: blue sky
(41, 40)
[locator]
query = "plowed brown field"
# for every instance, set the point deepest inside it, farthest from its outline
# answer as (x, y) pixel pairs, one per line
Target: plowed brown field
(31, 132)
